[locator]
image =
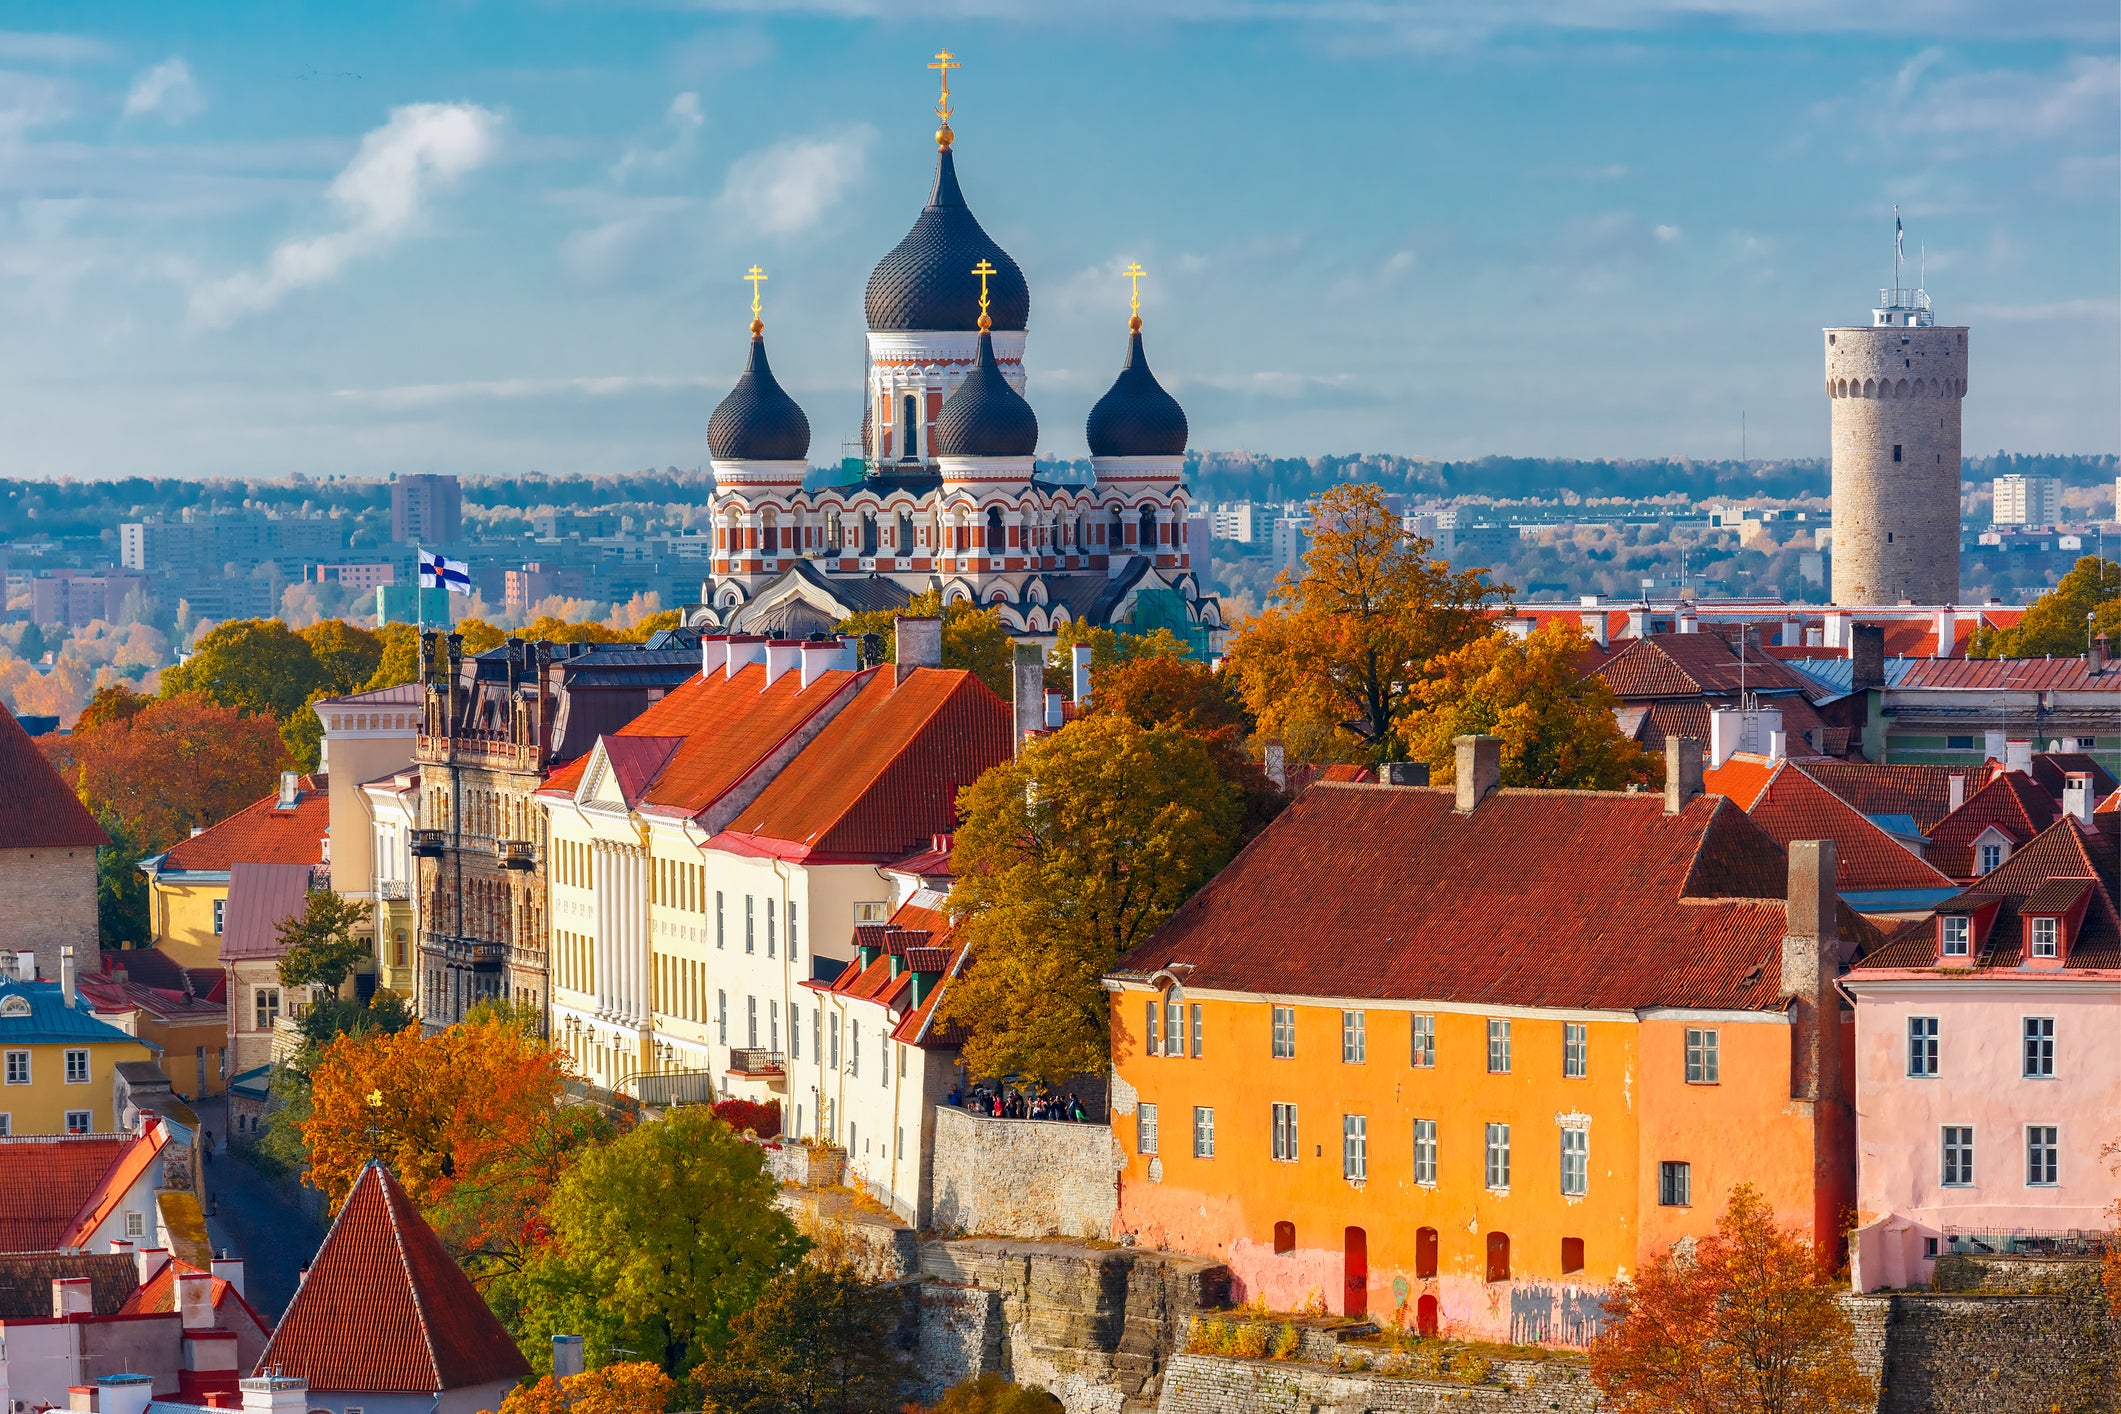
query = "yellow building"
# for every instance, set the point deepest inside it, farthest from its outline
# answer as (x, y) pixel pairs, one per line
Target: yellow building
(182, 1011)
(188, 883)
(57, 1061)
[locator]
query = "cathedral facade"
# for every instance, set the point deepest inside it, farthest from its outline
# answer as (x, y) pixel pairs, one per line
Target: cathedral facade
(949, 499)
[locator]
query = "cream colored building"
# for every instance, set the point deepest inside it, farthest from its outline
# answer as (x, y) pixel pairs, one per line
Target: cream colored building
(368, 737)
(393, 808)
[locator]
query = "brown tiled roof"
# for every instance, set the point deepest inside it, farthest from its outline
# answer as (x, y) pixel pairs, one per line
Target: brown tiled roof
(37, 811)
(26, 1281)
(44, 1182)
(1388, 892)
(1925, 792)
(2053, 768)
(1699, 665)
(261, 833)
(1797, 807)
(384, 1309)
(2050, 865)
(2011, 801)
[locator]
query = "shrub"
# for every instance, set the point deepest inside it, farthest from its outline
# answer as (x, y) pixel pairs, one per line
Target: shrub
(1248, 1341)
(1286, 1338)
(1467, 1366)
(749, 1116)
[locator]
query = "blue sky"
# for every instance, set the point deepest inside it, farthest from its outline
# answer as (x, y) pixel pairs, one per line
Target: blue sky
(488, 237)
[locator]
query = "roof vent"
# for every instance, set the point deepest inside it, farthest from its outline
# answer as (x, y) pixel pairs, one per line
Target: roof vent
(290, 790)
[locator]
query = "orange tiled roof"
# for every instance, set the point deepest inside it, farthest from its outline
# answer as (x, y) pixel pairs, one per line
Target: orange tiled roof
(1741, 778)
(383, 1275)
(2011, 801)
(1795, 807)
(37, 811)
(261, 833)
(44, 1184)
(922, 935)
(132, 1162)
(2063, 851)
(157, 1296)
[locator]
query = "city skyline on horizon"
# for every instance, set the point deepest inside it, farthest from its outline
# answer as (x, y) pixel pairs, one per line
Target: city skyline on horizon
(467, 243)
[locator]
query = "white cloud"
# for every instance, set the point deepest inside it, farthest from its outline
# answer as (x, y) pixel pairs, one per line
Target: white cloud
(51, 48)
(2008, 105)
(1666, 235)
(167, 91)
(382, 197)
(414, 396)
(792, 185)
(682, 122)
(32, 101)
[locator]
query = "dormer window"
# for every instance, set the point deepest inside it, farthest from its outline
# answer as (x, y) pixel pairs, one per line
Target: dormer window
(1958, 936)
(1991, 858)
(2046, 934)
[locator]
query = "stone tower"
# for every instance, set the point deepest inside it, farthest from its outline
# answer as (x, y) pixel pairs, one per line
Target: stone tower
(1895, 388)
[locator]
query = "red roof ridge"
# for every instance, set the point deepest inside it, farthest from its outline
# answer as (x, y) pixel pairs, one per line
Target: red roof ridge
(419, 1296)
(38, 810)
(125, 1170)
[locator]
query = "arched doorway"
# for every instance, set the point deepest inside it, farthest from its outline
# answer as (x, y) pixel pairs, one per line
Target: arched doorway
(1428, 1318)
(1355, 1266)
(996, 536)
(1498, 1256)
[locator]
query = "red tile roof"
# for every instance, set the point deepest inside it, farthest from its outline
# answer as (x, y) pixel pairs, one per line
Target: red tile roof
(385, 1309)
(922, 935)
(2012, 802)
(127, 1169)
(1797, 807)
(1924, 792)
(261, 833)
(1381, 891)
(1740, 779)
(46, 1181)
(1697, 665)
(158, 1296)
(37, 811)
(2032, 875)
(2008, 675)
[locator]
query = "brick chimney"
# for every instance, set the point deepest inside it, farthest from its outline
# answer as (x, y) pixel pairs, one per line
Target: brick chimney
(1029, 681)
(1479, 770)
(920, 644)
(1682, 772)
(1811, 965)
(1866, 656)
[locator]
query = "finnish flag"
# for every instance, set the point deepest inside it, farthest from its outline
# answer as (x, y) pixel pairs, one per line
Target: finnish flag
(438, 573)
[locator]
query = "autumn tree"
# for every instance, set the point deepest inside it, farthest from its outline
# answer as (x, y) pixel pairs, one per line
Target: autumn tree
(1156, 688)
(1066, 857)
(818, 1340)
(114, 704)
(992, 1394)
(629, 1387)
(322, 945)
(479, 635)
(1556, 722)
(973, 638)
(258, 666)
(399, 661)
(659, 1239)
(152, 773)
(347, 657)
(2062, 621)
(558, 630)
(1332, 667)
(1749, 1323)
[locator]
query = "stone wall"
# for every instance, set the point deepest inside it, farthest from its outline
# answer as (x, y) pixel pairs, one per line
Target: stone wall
(1985, 1353)
(1094, 1325)
(1022, 1177)
(2017, 1275)
(48, 901)
(1215, 1384)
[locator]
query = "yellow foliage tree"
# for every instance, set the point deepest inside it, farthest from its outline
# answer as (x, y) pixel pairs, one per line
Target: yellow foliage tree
(973, 637)
(1556, 721)
(631, 1387)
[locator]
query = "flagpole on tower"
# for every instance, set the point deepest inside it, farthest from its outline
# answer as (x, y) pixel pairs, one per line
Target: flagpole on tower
(1897, 234)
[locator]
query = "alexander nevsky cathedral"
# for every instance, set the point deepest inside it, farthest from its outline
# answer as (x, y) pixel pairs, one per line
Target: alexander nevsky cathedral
(948, 497)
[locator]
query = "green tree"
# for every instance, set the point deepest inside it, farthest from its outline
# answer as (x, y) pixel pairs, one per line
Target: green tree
(1065, 858)
(973, 638)
(659, 1239)
(817, 1341)
(2062, 621)
(303, 733)
(323, 945)
(1556, 722)
(399, 661)
(327, 1019)
(1109, 647)
(257, 666)
(121, 891)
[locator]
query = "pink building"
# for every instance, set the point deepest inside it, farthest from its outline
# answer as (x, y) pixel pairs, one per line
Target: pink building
(1987, 1078)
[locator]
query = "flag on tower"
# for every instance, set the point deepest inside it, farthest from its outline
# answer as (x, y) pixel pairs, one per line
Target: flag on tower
(438, 573)
(1899, 236)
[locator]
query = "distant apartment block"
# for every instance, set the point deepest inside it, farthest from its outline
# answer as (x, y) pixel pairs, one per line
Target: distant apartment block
(361, 578)
(1292, 537)
(426, 509)
(523, 588)
(2027, 500)
(1242, 521)
(560, 525)
(204, 545)
(76, 600)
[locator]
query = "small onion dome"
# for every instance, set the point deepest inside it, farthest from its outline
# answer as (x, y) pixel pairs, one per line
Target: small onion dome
(758, 422)
(984, 416)
(1136, 417)
(921, 284)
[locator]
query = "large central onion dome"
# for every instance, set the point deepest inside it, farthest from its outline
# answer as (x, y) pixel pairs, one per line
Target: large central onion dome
(984, 416)
(758, 421)
(921, 286)
(1136, 417)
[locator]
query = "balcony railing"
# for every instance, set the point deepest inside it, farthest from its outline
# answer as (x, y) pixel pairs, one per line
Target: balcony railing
(429, 844)
(756, 1061)
(464, 952)
(392, 890)
(515, 854)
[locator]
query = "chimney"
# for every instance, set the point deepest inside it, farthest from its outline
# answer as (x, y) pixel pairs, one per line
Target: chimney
(1811, 966)
(1866, 656)
(1479, 769)
(1837, 631)
(70, 1297)
(1947, 628)
(1955, 786)
(275, 1394)
(1689, 621)
(741, 651)
(66, 973)
(1079, 660)
(2100, 654)
(566, 1356)
(195, 1299)
(1594, 625)
(1030, 691)
(2077, 796)
(119, 1247)
(290, 790)
(823, 655)
(1276, 765)
(1054, 715)
(1778, 745)
(1639, 621)
(782, 658)
(230, 1270)
(1404, 773)
(1815, 637)
(714, 653)
(920, 644)
(148, 1261)
(1682, 772)
(1793, 632)
(124, 1394)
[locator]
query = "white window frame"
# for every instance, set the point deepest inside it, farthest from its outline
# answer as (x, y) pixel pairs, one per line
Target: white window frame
(1152, 1021)
(1193, 1028)
(1958, 935)
(2037, 1050)
(1991, 859)
(1575, 1161)
(265, 1007)
(2048, 1139)
(1496, 1170)
(1285, 1133)
(1704, 1046)
(1955, 1156)
(1355, 1148)
(77, 1067)
(135, 1223)
(2047, 937)
(1924, 1048)
(1145, 1130)
(1354, 1040)
(1498, 1045)
(1422, 1053)
(1284, 1045)
(1575, 1050)
(1425, 1152)
(1203, 1132)
(1174, 1023)
(80, 1122)
(220, 915)
(19, 1070)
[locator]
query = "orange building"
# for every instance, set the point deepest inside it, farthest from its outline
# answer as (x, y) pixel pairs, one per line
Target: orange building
(1461, 1058)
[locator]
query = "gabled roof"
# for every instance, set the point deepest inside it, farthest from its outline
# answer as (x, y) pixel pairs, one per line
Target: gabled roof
(1699, 665)
(385, 1309)
(2071, 674)
(635, 760)
(920, 933)
(2052, 770)
(2054, 864)
(157, 1296)
(260, 898)
(1388, 892)
(1794, 806)
(127, 1169)
(37, 811)
(50, 1183)
(36, 1013)
(2011, 802)
(1924, 792)
(26, 1280)
(261, 833)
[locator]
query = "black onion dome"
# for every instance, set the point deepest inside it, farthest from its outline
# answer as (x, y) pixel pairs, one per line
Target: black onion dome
(926, 282)
(758, 422)
(1136, 417)
(984, 416)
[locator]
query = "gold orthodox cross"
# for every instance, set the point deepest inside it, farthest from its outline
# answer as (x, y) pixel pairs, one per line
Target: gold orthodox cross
(755, 275)
(945, 61)
(983, 270)
(1133, 275)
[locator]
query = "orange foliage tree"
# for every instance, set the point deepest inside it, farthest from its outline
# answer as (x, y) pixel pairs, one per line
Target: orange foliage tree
(1168, 689)
(1748, 1323)
(469, 1120)
(630, 1387)
(153, 770)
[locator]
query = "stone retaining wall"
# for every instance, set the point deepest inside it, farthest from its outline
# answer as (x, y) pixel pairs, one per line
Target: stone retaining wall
(1216, 1384)
(2017, 1275)
(2000, 1354)
(1023, 1177)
